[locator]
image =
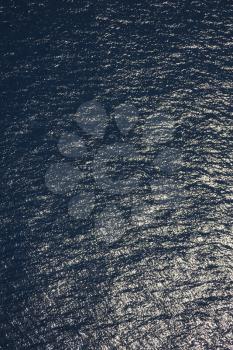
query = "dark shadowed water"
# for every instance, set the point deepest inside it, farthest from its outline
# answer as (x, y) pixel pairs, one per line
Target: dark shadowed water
(138, 264)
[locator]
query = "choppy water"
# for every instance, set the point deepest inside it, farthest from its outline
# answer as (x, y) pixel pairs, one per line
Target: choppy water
(166, 281)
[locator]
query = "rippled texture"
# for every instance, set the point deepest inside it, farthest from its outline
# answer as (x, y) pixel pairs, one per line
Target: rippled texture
(165, 284)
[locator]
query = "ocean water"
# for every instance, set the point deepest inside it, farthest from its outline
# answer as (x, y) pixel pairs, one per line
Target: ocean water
(116, 234)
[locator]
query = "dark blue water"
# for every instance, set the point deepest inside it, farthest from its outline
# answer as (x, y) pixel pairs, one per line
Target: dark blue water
(164, 281)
